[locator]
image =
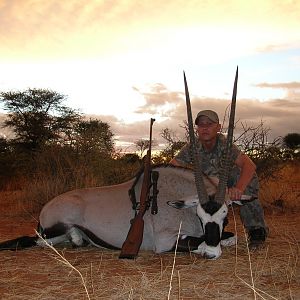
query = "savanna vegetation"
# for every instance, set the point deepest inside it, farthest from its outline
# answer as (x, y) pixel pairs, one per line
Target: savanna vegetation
(55, 148)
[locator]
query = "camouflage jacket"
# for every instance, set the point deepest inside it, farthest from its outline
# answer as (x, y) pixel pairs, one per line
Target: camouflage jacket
(211, 161)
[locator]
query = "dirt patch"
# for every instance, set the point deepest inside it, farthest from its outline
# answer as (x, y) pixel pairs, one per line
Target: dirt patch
(41, 274)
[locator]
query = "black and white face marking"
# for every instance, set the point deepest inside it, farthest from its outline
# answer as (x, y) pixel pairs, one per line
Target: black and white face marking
(213, 227)
(212, 216)
(187, 202)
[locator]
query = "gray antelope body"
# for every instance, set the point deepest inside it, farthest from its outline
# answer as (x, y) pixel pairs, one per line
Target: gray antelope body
(106, 212)
(101, 216)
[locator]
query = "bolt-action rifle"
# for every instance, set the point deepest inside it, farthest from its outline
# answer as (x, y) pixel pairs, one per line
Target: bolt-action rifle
(132, 244)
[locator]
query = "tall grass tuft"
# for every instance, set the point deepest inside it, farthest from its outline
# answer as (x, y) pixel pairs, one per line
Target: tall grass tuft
(282, 192)
(58, 170)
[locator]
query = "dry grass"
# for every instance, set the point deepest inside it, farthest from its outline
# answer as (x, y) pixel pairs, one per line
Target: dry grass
(269, 273)
(37, 274)
(282, 193)
(40, 274)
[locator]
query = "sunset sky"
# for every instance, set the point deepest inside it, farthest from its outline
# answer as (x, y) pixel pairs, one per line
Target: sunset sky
(123, 60)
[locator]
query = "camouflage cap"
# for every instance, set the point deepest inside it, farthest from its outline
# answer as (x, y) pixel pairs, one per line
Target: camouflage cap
(212, 115)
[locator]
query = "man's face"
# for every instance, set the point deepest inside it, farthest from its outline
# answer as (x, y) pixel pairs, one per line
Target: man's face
(207, 129)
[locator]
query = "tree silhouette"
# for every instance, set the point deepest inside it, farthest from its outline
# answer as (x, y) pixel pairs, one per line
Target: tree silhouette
(94, 136)
(292, 141)
(173, 145)
(37, 116)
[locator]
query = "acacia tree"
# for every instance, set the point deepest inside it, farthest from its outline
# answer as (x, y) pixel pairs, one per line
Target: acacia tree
(37, 116)
(292, 141)
(173, 145)
(93, 136)
(142, 145)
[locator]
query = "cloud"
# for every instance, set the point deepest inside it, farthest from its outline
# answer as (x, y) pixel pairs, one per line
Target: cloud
(5, 132)
(281, 116)
(159, 100)
(168, 106)
(31, 28)
(58, 28)
(292, 89)
(278, 46)
(286, 85)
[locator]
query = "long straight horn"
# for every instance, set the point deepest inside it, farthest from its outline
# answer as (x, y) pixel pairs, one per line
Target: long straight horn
(201, 190)
(226, 163)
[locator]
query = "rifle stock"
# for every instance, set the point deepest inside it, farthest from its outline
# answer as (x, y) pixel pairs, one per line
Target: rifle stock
(132, 244)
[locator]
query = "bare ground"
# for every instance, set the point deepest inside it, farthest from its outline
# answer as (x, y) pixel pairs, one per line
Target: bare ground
(269, 273)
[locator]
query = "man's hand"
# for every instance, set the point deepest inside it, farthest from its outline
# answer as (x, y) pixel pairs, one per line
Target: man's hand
(235, 193)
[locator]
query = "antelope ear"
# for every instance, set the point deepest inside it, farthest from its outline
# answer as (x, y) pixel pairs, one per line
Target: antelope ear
(186, 202)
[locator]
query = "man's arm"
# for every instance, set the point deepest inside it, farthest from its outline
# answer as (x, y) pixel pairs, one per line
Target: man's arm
(248, 168)
(183, 158)
(178, 163)
(175, 162)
